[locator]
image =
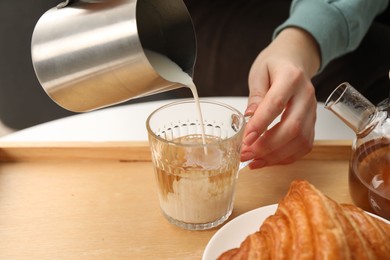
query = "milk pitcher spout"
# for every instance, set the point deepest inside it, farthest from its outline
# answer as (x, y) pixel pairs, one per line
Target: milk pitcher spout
(89, 54)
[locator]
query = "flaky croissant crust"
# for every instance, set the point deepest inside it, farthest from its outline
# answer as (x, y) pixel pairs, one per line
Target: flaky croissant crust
(309, 225)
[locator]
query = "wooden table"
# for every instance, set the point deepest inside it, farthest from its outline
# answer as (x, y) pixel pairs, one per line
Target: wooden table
(99, 200)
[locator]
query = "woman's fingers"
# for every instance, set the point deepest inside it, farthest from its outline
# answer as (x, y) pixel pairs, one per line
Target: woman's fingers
(290, 138)
(279, 84)
(280, 146)
(284, 86)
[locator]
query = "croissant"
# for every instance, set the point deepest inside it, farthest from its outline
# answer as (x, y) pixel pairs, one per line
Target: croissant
(309, 225)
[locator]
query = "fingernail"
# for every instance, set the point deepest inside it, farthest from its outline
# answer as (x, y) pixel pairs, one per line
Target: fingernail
(257, 164)
(246, 156)
(251, 138)
(250, 110)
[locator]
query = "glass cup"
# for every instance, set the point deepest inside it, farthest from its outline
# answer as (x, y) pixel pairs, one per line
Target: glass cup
(196, 179)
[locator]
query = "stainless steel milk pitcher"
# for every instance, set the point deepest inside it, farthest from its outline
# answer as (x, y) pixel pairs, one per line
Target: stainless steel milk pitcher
(91, 54)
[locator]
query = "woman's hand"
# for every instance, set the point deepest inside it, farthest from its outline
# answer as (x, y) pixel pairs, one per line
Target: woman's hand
(280, 84)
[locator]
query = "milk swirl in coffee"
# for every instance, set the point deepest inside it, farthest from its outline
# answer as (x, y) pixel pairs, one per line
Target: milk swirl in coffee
(194, 187)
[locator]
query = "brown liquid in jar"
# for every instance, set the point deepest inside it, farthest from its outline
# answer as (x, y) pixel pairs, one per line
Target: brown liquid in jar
(369, 177)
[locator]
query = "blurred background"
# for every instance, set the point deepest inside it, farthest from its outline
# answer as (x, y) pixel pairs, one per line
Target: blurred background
(230, 34)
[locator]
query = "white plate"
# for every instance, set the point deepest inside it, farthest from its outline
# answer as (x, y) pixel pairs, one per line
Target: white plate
(234, 232)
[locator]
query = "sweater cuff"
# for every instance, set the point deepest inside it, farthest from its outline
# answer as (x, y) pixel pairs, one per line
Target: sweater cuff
(322, 21)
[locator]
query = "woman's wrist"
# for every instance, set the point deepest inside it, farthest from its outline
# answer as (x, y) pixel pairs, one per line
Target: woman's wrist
(303, 47)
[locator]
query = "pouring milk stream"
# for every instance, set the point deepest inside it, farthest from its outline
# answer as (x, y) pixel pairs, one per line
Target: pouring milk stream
(172, 72)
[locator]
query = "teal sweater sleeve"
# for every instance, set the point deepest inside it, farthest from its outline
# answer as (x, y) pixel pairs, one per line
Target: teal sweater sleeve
(337, 25)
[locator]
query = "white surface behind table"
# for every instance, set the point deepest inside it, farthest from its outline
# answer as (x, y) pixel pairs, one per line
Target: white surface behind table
(127, 123)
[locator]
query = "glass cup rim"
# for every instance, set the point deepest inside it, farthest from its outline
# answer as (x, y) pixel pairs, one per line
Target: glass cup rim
(178, 102)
